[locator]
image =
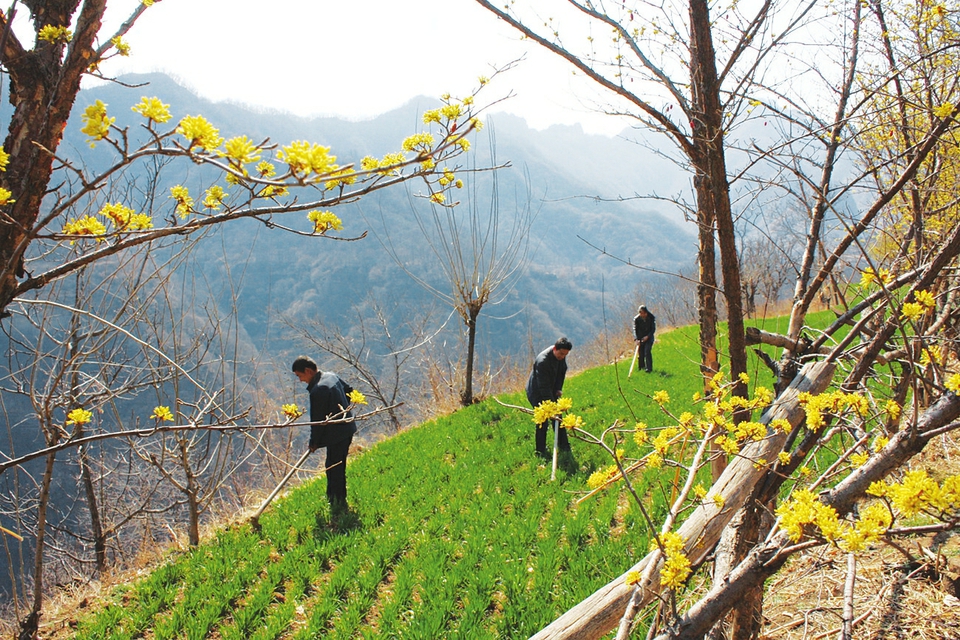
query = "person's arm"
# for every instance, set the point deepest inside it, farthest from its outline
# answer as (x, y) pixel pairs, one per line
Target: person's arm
(319, 410)
(561, 374)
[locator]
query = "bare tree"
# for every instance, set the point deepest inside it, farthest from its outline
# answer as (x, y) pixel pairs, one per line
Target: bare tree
(480, 254)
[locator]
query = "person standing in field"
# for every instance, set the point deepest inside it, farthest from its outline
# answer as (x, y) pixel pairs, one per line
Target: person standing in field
(546, 383)
(644, 326)
(329, 401)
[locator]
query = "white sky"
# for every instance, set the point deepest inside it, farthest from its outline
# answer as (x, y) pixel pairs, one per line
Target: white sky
(350, 58)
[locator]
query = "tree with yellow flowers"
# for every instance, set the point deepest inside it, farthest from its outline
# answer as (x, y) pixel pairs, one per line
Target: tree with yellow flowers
(60, 218)
(874, 236)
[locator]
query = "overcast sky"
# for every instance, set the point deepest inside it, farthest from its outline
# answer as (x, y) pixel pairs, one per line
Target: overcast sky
(349, 58)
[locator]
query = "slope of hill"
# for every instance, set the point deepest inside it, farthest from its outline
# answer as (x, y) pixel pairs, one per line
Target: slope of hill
(458, 532)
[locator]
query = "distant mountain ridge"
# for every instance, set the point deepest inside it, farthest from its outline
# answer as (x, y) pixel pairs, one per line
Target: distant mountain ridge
(560, 292)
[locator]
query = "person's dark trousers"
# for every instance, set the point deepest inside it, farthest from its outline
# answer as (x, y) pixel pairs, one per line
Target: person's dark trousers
(541, 437)
(337, 473)
(646, 356)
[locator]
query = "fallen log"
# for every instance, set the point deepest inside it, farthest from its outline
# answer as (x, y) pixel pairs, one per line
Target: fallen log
(600, 612)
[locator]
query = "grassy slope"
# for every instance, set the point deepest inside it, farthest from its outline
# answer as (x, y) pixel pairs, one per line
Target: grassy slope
(458, 532)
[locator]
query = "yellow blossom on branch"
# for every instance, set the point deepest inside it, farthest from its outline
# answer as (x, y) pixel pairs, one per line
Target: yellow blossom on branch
(564, 403)
(85, 226)
(633, 578)
(152, 109)
(199, 133)
(122, 47)
(54, 35)
(925, 298)
(240, 150)
(214, 197)
(184, 202)
(324, 221)
(4, 159)
(161, 413)
(944, 111)
(291, 411)
(421, 142)
(661, 397)
(859, 459)
(356, 397)
(911, 311)
(5, 196)
(119, 214)
(304, 158)
(79, 417)
(571, 421)
(544, 411)
(96, 123)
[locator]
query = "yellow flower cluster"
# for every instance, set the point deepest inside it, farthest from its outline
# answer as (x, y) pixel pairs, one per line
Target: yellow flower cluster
(834, 402)
(421, 142)
(96, 123)
(305, 158)
(239, 151)
(152, 109)
(122, 47)
(79, 417)
(161, 413)
(356, 397)
(661, 397)
(85, 226)
(869, 276)
(944, 111)
(341, 177)
(214, 197)
(676, 567)
(324, 221)
(124, 218)
(6, 196)
(200, 133)
(184, 202)
(54, 35)
(805, 508)
(291, 411)
(602, 476)
(919, 492)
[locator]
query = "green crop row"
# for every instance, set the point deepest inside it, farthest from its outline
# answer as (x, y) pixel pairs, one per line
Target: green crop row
(456, 531)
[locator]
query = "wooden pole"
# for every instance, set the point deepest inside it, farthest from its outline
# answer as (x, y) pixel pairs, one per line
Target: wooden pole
(556, 446)
(255, 519)
(636, 352)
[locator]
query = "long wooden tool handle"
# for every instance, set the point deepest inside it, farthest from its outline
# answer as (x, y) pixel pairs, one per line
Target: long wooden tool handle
(296, 467)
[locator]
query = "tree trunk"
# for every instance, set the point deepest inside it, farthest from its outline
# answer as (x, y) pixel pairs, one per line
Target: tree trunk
(42, 90)
(466, 398)
(30, 624)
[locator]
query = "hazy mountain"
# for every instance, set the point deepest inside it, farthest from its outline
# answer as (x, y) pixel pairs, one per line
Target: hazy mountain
(560, 291)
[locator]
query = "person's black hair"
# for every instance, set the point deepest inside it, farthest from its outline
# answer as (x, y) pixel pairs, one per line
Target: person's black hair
(563, 343)
(303, 363)
(642, 308)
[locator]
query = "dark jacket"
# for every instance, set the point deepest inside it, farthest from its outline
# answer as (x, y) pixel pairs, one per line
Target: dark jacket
(645, 327)
(328, 399)
(546, 379)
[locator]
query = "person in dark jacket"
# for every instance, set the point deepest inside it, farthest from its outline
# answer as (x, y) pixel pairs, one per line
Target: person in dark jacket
(546, 383)
(328, 401)
(644, 326)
